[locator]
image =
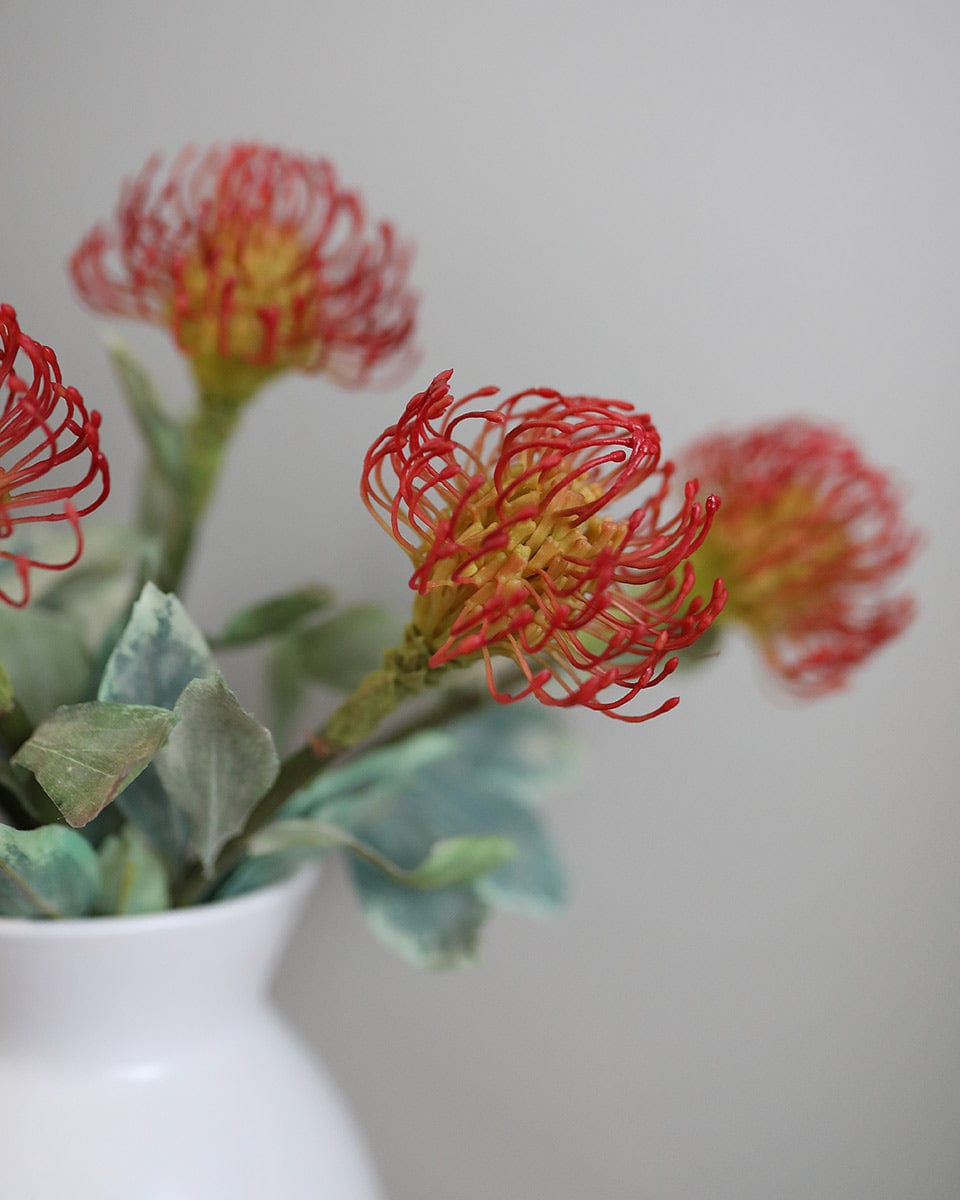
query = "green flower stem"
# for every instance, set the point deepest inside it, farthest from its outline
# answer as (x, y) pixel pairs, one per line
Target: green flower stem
(357, 718)
(206, 437)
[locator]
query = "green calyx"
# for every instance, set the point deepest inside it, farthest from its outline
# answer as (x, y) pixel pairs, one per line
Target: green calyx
(232, 380)
(405, 673)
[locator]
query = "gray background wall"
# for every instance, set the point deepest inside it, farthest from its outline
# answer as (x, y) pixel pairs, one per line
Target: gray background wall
(722, 211)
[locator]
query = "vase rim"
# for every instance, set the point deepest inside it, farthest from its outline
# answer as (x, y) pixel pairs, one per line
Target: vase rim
(294, 886)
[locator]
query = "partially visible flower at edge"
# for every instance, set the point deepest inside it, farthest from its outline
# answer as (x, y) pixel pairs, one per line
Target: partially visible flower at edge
(808, 538)
(51, 467)
(516, 553)
(257, 261)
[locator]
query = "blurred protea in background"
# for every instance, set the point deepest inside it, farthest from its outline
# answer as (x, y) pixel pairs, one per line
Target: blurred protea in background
(257, 261)
(808, 541)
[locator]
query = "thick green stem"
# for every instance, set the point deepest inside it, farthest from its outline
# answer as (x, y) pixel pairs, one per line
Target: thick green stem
(206, 437)
(403, 675)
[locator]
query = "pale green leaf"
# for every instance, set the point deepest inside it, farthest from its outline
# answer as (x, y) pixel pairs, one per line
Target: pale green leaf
(96, 593)
(159, 652)
(273, 616)
(341, 651)
(461, 859)
(132, 876)
(251, 874)
(447, 862)
(7, 697)
(161, 432)
(218, 763)
(47, 872)
(286, 687)
(86, 754)
(479, 776)
(436, 929)
(45, 659)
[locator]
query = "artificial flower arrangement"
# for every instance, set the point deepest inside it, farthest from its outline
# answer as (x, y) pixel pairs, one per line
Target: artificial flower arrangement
(131, 779)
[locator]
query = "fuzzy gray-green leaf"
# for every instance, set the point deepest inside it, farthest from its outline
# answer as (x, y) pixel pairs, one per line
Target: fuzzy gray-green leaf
(436, 929)
(47, 872)
(45, 659)
(161, 433)
(7, 697)
(132, 876)
(341, 651)
(86, 754)
(273, 616)
(159, 652)
(218, 763)
(480, 776)
(447, 862)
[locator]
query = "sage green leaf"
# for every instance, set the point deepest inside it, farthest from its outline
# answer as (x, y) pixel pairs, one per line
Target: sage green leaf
(147, 805)
(367, 783)
(132, 876)
(218, 762)
(251, 874)
(461, 860)
(448, 861)
(159, 652)
(46, 661)
(95, 593)
(341, 651)
(437, 929)
(476, 778)
(286, 686)
(273, 616)
(11, 779)
(480, 776)
(47, 872)
(161, 432)
(7, 697)
(86, 754)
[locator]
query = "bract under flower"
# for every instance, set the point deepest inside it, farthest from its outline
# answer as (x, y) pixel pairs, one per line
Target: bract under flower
(506, 514)
(51, 467)
(258, 262)
(807, 541)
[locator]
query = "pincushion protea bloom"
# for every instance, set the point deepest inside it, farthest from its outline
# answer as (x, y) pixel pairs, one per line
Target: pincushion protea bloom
(504, 512)
(807, 540)
(51, 467)
(258, 261)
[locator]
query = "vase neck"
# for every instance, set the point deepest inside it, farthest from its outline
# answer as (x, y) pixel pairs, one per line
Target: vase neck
(91, 984)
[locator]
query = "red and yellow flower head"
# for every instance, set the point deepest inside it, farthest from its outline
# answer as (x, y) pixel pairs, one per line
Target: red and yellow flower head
(257, 261)
(506, 514)
(807, 541)
(51, 467)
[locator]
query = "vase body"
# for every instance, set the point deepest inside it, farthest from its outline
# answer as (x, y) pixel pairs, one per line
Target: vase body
(141, 1057)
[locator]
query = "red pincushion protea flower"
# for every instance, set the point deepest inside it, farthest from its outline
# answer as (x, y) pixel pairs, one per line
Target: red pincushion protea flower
(515, 553)
(51, 468)
(808, 538)
(258, 261)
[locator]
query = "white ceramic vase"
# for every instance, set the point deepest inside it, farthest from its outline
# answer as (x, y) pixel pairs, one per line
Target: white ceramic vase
(141, 1059)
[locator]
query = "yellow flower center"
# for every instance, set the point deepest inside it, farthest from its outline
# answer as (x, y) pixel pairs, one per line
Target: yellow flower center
(775, 556)
(247, 307)
(538, 554)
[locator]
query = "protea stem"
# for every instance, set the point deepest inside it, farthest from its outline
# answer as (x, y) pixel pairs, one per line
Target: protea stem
(205, 436)
(357, 718)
